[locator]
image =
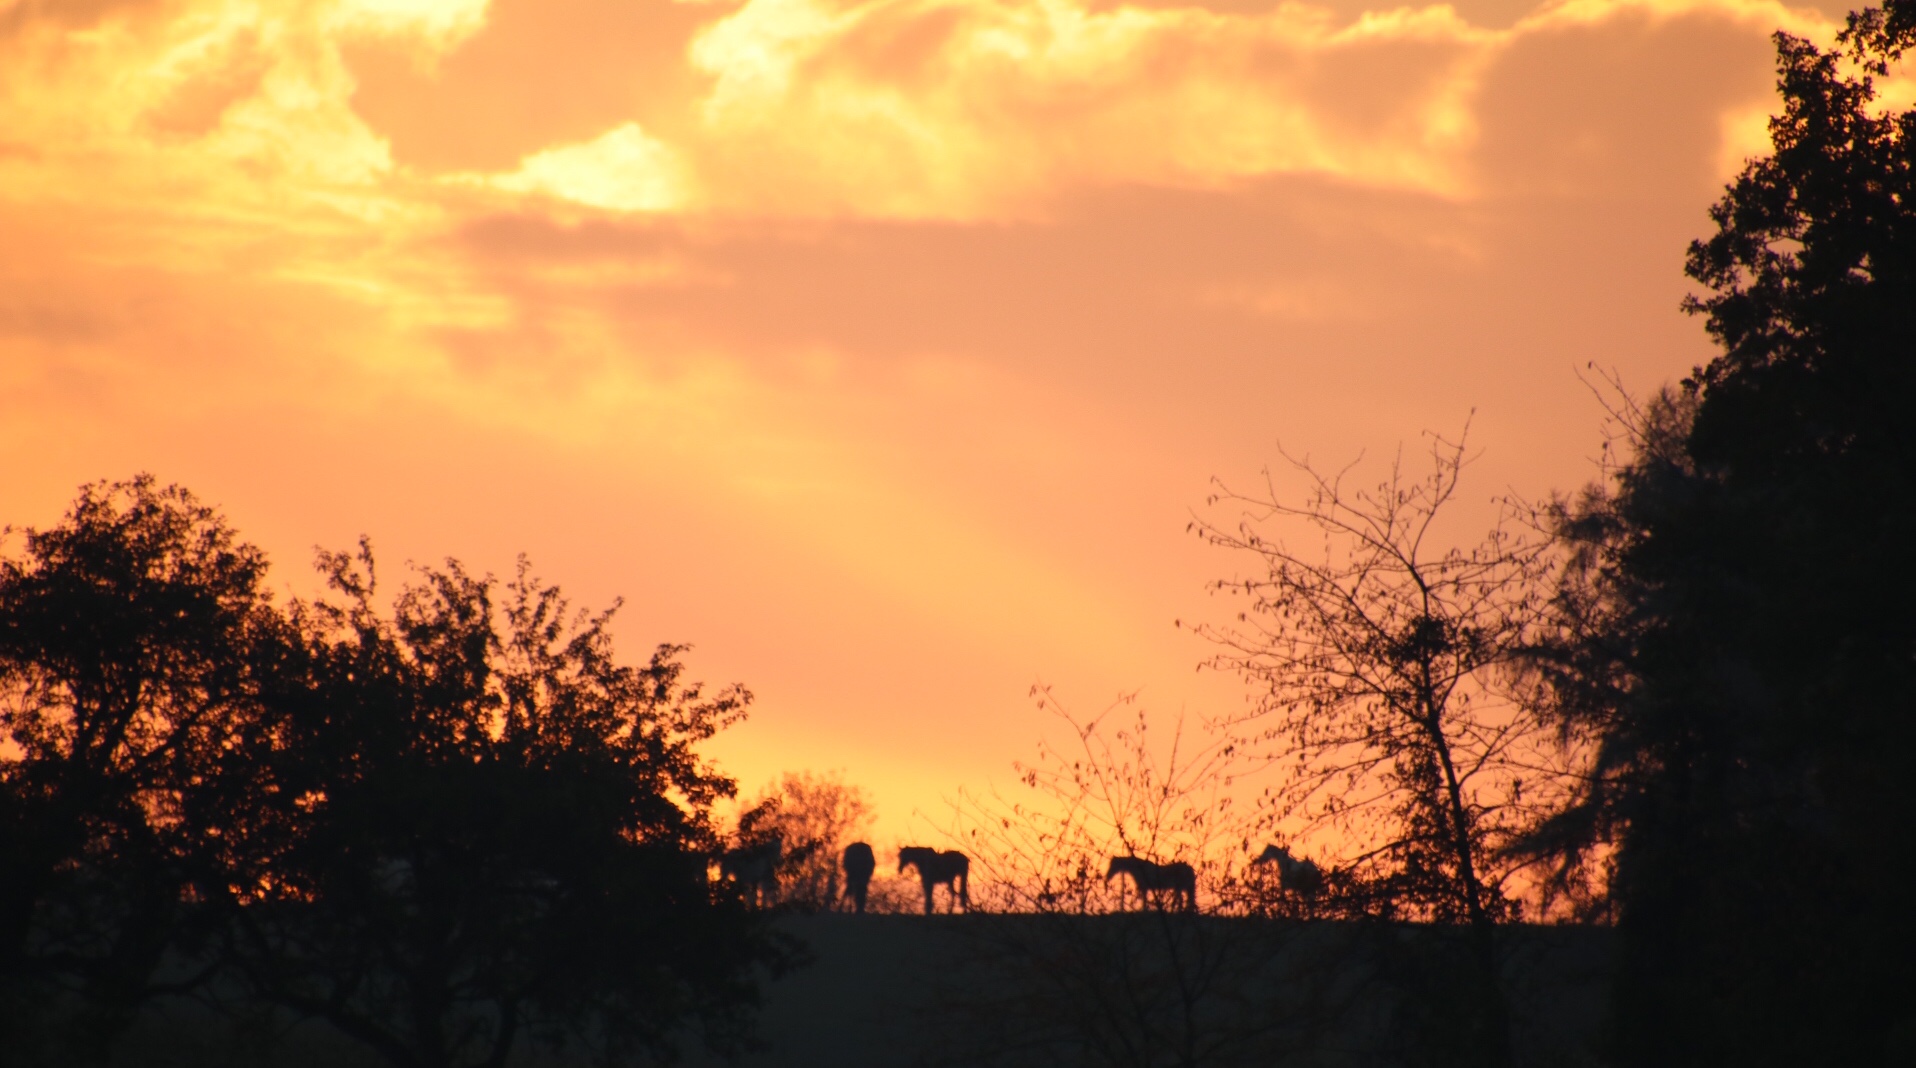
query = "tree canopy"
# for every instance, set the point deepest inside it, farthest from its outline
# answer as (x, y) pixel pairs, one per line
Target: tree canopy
(450, 827)
(126, 638)
(1735, 629)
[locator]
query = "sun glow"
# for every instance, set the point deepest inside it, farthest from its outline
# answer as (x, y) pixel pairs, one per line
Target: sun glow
(885, 345)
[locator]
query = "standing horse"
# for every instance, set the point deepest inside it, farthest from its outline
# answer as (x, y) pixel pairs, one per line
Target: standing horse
(1300, 877)
(755, 867)
(859, 863)
(951, 868)
(1177, 877)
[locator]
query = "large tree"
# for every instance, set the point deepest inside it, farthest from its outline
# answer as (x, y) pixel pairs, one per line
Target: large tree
(481, 830)
(126, 638)
(1735, 624)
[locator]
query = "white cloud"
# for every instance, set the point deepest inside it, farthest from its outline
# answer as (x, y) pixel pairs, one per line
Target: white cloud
(624, 169)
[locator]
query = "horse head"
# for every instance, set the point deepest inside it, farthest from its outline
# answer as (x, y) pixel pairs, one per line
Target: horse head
(1275, 854)
(1299, 876)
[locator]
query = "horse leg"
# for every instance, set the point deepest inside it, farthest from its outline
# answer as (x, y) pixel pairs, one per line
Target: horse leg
(927, 881)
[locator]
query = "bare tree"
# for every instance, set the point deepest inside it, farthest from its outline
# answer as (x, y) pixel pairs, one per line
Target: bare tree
(1114, 790)
(1079, 968)
(1383, 658)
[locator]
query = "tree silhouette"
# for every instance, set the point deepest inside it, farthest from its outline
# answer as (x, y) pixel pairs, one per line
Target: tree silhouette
(1734, 627)
(1380, 658)
(126, 636)
(485, 831)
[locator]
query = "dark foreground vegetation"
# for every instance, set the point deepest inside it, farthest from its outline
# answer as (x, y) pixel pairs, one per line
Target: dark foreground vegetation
(893, 990)
(447, 826)
(445, 830)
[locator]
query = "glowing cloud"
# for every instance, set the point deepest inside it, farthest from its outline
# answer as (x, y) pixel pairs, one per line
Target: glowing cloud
(623, 170)
(441, 23)
(941, 108)
(763, 334)
(969, 108)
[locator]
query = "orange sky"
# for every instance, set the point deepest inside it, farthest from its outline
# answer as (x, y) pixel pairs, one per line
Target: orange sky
(880, 349)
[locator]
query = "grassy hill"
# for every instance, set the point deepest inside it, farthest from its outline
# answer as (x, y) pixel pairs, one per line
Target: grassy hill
(1144, 989)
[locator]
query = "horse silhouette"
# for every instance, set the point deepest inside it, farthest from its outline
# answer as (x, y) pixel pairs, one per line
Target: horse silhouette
(859, 863)
(1177, 877)
(755, 867)
(1300, 877)
(950, 867)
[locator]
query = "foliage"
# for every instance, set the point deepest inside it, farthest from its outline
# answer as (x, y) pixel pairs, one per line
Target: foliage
(486, 831)
(451, 830)
(125, 672)
(1732, 626)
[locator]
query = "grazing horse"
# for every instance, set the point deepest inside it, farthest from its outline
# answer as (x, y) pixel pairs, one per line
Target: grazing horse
(859, 863)
(1177, 877)
(1300, 877)
(755, 867)
(951, 868)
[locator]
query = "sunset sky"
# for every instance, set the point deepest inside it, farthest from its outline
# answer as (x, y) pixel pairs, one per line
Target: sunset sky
(881, 350)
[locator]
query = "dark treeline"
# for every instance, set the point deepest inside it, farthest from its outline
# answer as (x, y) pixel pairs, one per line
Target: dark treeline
(447, 828)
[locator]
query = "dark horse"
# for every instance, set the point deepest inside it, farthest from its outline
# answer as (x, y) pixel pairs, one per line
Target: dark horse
(951, 868)
(754, 868)
(1300, 877)
(1177, 877)
(859, 864)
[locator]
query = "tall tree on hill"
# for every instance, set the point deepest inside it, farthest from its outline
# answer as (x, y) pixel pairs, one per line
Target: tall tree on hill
(1735, 626)
(1379, 650)
(126, 637)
